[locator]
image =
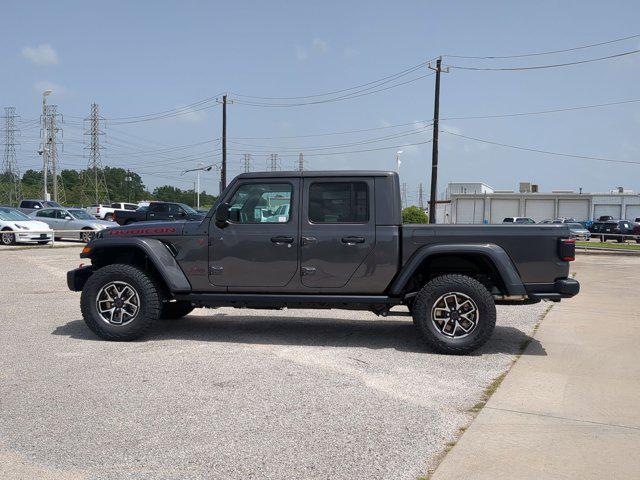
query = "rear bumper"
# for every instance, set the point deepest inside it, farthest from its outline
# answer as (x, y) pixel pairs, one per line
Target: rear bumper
(78, 277)
(561, 288)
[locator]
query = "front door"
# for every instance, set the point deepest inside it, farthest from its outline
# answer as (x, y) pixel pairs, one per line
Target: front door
(337, 230)
(259, 246)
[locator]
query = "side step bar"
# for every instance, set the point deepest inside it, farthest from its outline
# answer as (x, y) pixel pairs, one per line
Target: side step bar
(277, 301)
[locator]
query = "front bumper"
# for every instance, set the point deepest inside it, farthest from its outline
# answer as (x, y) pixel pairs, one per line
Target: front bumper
(26, 236)
(78, 277)
(561, 288)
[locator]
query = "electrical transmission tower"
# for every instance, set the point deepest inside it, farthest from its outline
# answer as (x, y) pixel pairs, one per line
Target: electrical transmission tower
(11, 190)
(420, 197)
(247, 163)
(274, 162)
(404, 194)
(301, 162)
(53, 130)
(94, 184)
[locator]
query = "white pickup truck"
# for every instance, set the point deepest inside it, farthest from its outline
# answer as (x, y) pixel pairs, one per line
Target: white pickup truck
(105, 212)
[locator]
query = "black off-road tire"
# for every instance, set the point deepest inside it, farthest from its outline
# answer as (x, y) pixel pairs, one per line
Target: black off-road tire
(175, 310)
(468, 286)
(147, 290)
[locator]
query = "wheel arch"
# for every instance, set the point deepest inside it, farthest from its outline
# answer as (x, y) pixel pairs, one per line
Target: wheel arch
(488, 263)
(148, 253)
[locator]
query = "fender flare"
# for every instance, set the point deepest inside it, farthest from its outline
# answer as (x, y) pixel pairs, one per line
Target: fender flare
(494, 253)
(156, 252)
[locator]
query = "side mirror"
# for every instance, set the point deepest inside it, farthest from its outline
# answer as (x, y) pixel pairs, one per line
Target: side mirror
(222, 215)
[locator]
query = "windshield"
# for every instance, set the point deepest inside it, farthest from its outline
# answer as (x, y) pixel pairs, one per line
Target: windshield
(52, 204)
(188, 209)
(144, 208)
(8, 214)
(81, 214)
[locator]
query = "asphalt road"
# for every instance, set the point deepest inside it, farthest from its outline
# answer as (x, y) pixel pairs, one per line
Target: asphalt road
(226, 393)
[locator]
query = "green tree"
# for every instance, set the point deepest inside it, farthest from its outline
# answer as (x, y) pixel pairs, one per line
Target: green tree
(414, 214)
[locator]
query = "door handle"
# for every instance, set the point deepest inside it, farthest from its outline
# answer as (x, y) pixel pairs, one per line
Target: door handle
(281, 239)
(352, 240)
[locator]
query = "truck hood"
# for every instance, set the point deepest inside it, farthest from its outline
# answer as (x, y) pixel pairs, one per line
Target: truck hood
(146, 229)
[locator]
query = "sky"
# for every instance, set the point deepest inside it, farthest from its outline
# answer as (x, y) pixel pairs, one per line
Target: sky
(138, 59)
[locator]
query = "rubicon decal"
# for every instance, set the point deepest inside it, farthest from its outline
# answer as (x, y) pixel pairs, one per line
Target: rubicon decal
(141, 231)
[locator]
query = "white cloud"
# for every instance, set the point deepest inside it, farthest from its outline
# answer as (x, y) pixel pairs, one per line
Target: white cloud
(43, 85)
(320, 45)
(41, 55)
(349, 52)
(189, 115)
(301, 53)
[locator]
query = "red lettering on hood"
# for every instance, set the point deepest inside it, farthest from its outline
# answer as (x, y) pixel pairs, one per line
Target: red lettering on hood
(141, 231)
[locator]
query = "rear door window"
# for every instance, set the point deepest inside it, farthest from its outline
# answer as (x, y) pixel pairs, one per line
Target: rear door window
(338, 202)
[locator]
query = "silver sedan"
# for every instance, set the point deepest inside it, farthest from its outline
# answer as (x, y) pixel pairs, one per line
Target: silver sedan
(71, 222)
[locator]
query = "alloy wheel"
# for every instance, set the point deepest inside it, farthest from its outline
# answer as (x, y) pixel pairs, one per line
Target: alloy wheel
(117, 303)
(455, 315)
(7, 238)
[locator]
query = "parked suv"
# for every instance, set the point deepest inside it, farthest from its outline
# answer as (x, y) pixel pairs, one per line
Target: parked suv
(28, 206)
(519, 220)
(105, 212)
(617, 230)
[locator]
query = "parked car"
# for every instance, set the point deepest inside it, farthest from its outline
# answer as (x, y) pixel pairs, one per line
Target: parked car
(63, 219)
(342, 244)
(636, 231)
(105, 212)
(617, 230)
(605, 218)
(558, 221)
(157, 211)
(16, 227)
(519, 220)
(28, 206)
(577, 231)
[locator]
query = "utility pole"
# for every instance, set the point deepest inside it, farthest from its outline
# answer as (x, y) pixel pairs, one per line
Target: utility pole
(274, 162)
(10, 171)
(94, 184)
(404, 195)
(247, 163)
(45, 146)
(301, 162)
(434, 152)
(223, 171)
(421, 198)
(51, 116)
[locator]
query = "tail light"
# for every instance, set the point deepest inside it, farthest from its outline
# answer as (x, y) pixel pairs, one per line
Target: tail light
(567, 249)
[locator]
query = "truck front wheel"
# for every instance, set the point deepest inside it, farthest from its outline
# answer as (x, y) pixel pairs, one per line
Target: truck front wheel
(455, 314)
(120, 302)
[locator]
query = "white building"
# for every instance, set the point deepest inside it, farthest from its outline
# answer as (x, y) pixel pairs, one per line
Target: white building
(492, 206)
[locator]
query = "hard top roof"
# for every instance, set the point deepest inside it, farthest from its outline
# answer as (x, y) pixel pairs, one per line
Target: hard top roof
(318, 173)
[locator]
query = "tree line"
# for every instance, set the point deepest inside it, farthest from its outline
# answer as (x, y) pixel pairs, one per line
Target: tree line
(121, 186)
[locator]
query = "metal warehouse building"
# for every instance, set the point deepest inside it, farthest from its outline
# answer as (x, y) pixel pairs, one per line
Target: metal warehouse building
(479, 203)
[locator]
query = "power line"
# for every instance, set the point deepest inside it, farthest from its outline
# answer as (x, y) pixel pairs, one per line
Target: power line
(535, 150)
(551, 52)
(538, 67)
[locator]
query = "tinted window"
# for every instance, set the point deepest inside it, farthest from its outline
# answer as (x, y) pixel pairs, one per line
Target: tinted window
(159, 208)
(174, 209)
(48, 213)
(507, 220)
(261, 203)
(338, 202)
(130, 206)
(26, 204)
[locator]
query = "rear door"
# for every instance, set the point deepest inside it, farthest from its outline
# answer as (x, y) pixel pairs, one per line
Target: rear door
(158, 211)
(337, 229)
(257, 248)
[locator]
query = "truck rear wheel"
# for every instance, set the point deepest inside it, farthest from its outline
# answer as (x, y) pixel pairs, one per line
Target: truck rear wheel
(455, 314)
(175, 310)
(120, 302)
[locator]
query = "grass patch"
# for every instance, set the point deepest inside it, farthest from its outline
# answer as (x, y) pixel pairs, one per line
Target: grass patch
(611, 245)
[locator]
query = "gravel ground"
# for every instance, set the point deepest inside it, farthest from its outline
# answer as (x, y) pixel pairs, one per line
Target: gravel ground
(226, 393)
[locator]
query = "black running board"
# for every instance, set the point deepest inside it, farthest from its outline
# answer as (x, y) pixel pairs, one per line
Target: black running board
(277, 301)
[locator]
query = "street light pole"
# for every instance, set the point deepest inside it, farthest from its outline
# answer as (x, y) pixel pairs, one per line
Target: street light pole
(398, 161)
(201, 168)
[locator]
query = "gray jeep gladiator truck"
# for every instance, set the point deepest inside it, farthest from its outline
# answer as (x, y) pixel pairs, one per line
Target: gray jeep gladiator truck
(330, 239)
